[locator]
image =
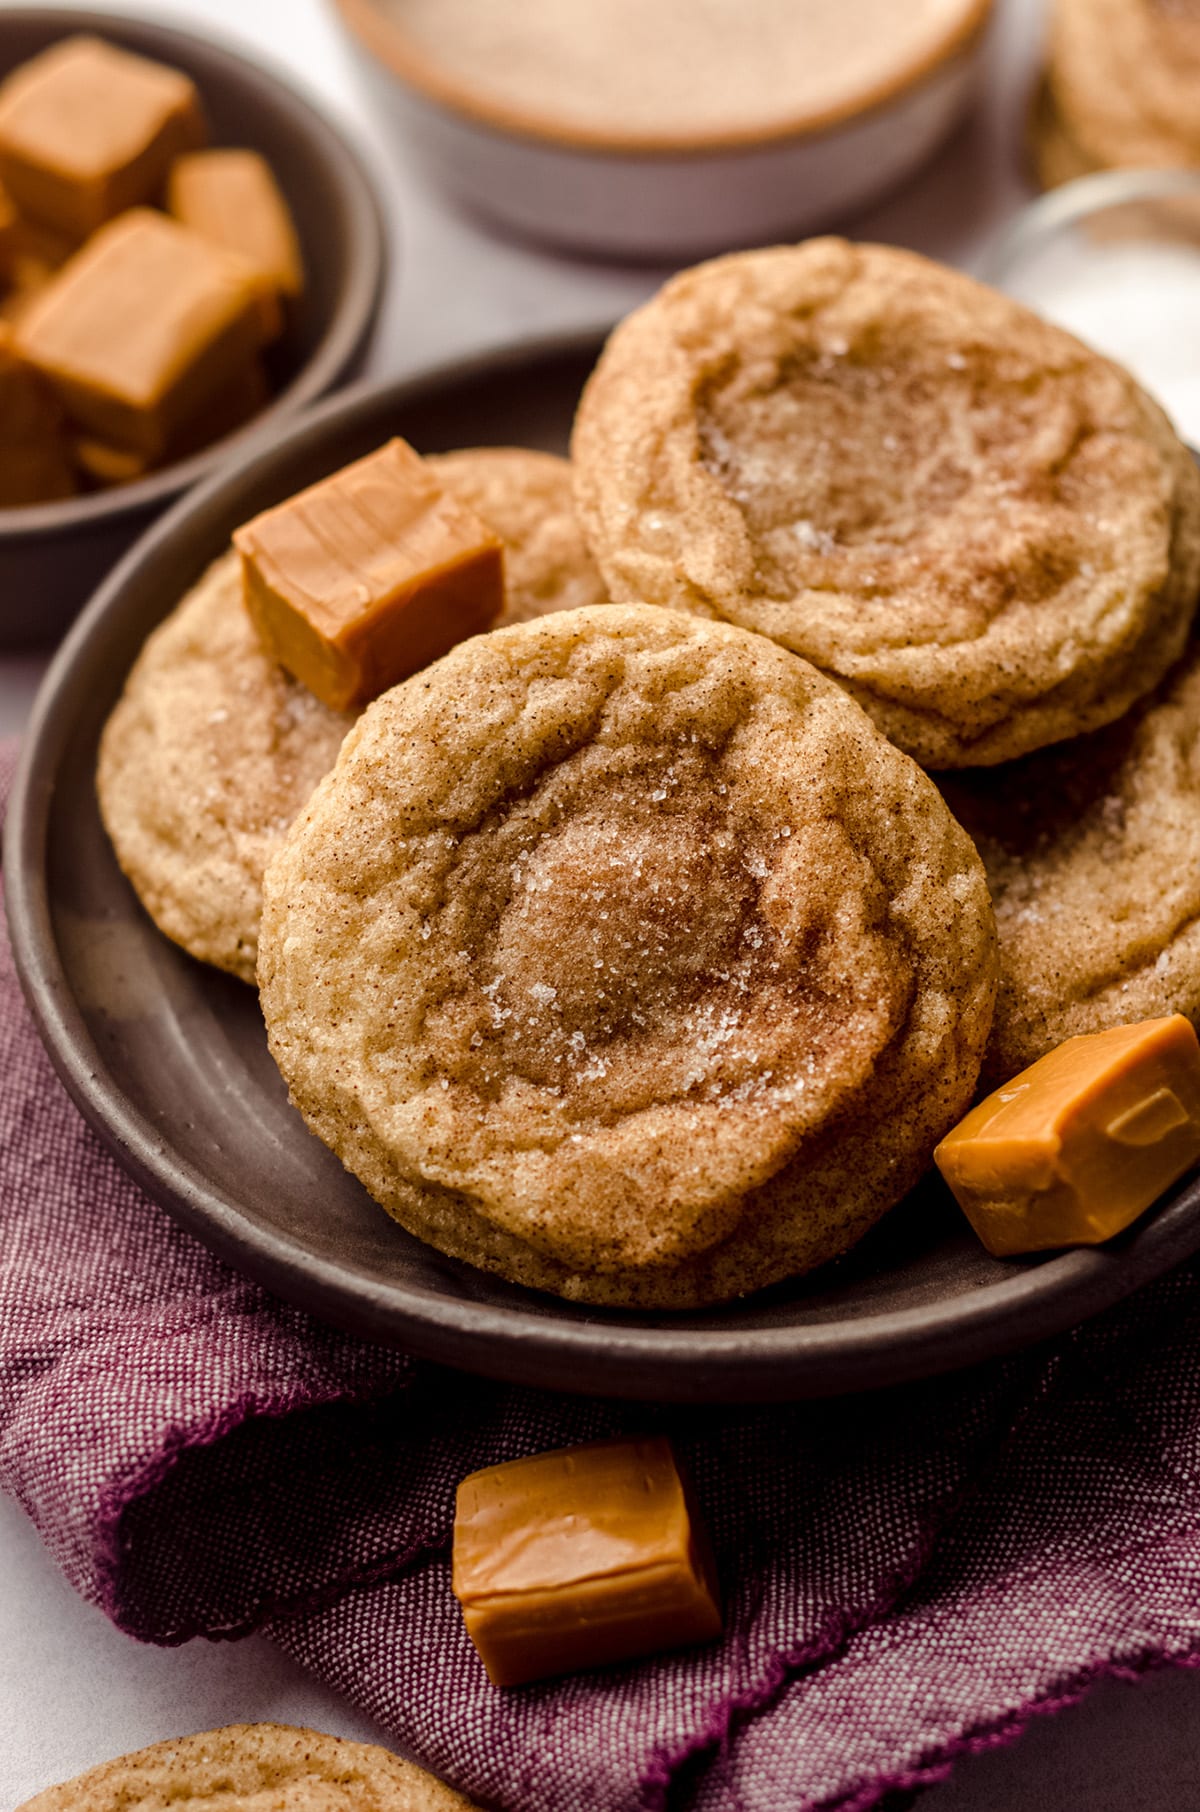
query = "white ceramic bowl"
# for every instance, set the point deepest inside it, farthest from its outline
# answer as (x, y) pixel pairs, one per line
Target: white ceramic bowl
(675, 202)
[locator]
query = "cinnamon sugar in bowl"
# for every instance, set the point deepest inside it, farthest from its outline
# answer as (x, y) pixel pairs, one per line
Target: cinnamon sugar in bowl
(672, 129)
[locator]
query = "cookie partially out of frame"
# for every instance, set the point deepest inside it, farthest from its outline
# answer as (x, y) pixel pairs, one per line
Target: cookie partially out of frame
(1124, 75)
(987, 533)
(1093, 857)
(213, 748)
(269, 1766)
(621, 955)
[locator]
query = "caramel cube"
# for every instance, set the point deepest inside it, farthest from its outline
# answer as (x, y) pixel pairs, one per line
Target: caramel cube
(580, 1558)
(140, 327)
(233, 199)
(10, 235)
(34, 466)
(368, 576)
(105, 465)
(87, 130)
(1073, 1149)
(222, 413)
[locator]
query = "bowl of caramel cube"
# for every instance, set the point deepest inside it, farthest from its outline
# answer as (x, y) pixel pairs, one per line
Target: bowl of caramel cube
(189, 251)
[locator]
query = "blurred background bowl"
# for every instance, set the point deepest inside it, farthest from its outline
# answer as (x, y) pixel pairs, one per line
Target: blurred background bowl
(670, 196)
(52, 555)
(1115, 258)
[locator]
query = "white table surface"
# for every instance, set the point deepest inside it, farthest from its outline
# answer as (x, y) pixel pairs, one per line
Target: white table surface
(73, 1691)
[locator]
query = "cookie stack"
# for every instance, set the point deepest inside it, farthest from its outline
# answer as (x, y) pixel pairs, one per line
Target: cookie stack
(1120, 89)
(642, 950)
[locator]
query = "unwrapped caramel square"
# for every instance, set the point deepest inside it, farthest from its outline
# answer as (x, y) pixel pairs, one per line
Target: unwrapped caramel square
(140, 327)
(88, 130)
(1073, 1149)
(368, 576)
(34, 463)
(10, 235)
(233, 199)
(222, 413)
(580, 1558)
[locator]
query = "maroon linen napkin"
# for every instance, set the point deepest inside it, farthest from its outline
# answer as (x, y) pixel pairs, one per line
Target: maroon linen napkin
(906, 1575)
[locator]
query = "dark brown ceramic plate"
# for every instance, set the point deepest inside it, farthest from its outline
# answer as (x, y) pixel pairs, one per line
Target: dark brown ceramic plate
(52, 555)
(168, 1060)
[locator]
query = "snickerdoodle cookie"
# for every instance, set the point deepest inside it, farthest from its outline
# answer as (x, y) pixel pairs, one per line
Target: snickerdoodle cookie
(213, 748)
(209, 754)
(275, 1766)
(1124, 76)
(527, 498)
(1093, 856)
(987, 533)
(621, 955)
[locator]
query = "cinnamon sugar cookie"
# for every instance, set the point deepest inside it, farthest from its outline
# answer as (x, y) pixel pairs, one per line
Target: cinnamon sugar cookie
(213, 748)
(269, 1766)
(987, 533)
(209, 754)
(528, 499)
(1125, 75)
(1093, 858)
(621, 955)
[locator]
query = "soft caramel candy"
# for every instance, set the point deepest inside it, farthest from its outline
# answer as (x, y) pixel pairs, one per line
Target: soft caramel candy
(102, 464)
(34, 466)
(233, 199)
(105, 465)
(1077, 1146)
(579, 1558)
(30, 256)
(226, 410)
(10, 235)
(368, 576)
(87, 130)
(140, 327)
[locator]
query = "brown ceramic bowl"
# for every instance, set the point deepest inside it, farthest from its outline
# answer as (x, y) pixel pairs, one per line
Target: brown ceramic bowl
(168, 1059)
(52, 555)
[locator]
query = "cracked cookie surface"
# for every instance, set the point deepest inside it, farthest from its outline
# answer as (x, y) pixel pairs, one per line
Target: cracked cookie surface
(621, 955)
(1124, 76)
(986, 532)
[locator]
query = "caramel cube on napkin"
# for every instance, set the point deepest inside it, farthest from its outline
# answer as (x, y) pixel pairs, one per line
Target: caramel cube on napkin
(1073, 1149)
(34, 465)
(140, 327)
(368, 576)
(580, 1558)
(233, 199)
(88, 130)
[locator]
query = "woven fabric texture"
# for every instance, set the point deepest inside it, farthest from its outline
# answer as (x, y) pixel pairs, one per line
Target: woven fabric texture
(906, 1575)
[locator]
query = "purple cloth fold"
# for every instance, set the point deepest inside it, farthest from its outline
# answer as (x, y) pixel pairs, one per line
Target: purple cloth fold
(907, 1575)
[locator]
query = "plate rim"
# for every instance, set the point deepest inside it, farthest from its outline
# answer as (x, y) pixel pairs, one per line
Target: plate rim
(601, 1356)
